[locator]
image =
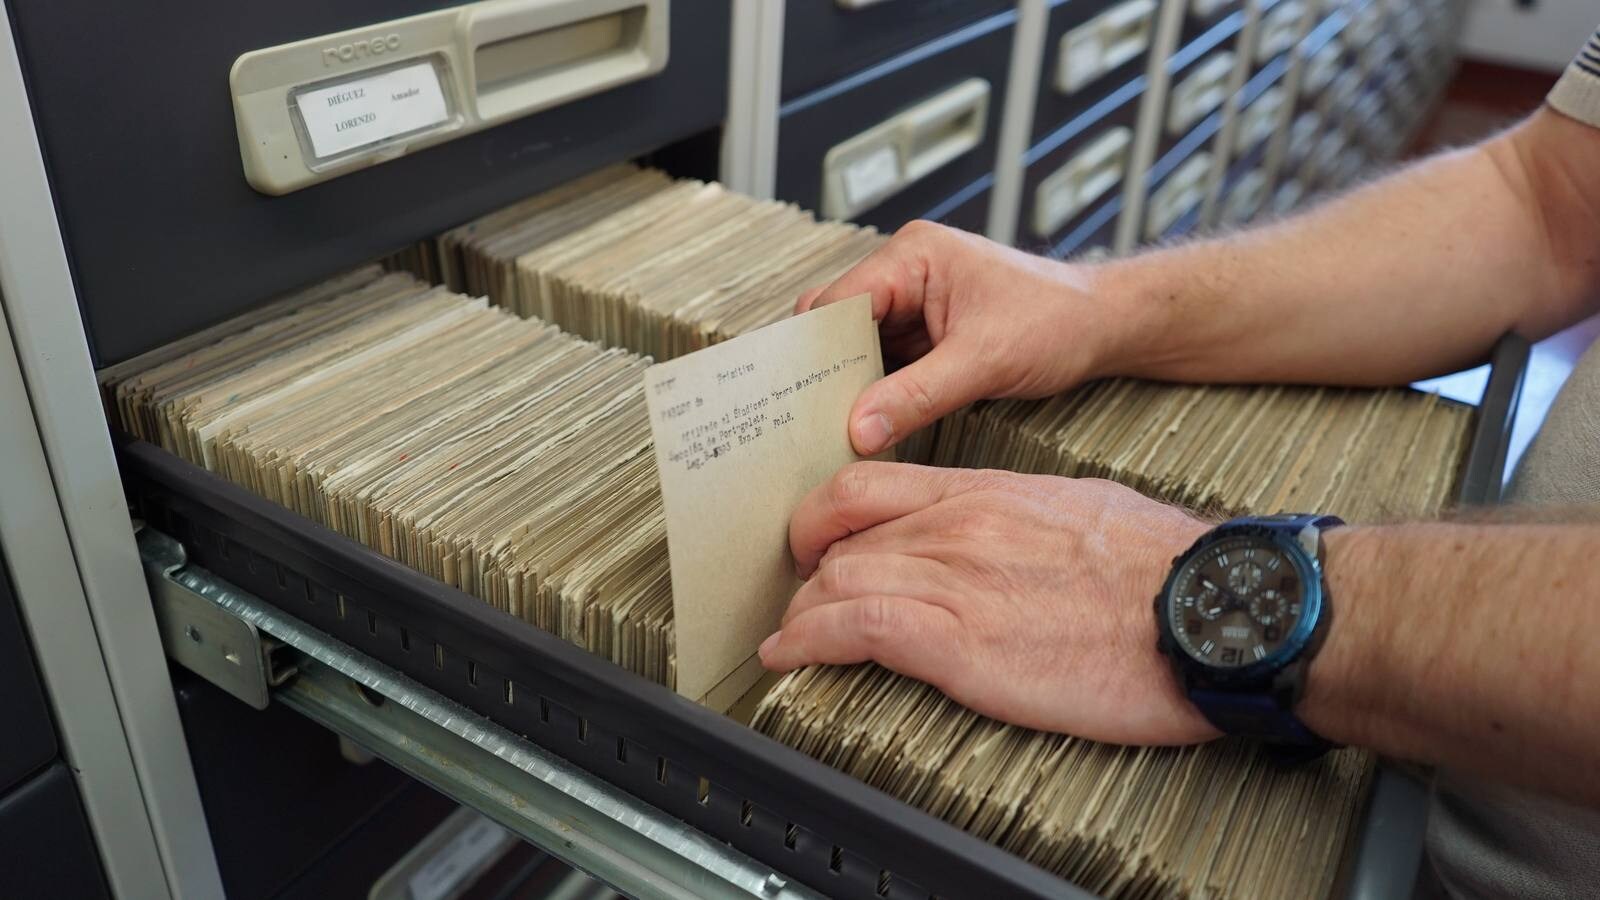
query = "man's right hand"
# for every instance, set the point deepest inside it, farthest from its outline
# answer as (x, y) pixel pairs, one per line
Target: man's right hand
(969, 319)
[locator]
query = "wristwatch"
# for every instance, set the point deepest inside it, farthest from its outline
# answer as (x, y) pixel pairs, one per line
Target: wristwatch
(1241, 616)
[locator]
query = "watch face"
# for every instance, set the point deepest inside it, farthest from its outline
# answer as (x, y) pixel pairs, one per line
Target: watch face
(1236, 602)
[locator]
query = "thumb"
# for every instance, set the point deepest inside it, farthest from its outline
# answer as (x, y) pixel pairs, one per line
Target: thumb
(913, 397)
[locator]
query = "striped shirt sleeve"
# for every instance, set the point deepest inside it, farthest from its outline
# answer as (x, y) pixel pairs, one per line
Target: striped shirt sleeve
(1577, 94)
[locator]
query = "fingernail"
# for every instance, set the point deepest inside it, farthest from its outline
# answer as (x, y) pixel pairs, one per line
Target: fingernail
(873, 432)
(768, 644)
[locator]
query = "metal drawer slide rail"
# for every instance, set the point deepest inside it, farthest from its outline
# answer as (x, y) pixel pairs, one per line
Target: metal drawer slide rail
(570, 814)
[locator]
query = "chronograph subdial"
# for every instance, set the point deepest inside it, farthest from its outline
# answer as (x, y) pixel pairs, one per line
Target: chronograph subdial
(1269, 607)
(1245, 577)
(1212, 601)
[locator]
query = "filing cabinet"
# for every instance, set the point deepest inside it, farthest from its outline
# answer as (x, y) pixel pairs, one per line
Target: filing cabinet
(1304, 132)
(1248, 166)
(885, 111)
(1200, 16)
(1288, 194)
(1092, 50)
(1072, 183)
(968, 210)
(31, 738)
(290, 794)
(1321, 66)
(1264, 107)
(1278, 29)
(1321, 170)
(1244, 196)
(1338, 101)
(1173, 206)
(898, 142)
(1365, 21)
(155, 207)
(827, 40)
(45, 840)
(1200, 76)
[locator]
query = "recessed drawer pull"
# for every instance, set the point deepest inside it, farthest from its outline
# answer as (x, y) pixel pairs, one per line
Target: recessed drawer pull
(1085, 178)
(1103, 43)
(1260, 118)
(1278, 30)
(1182, 191)
(1199, 93)
(1320, 70)
(864, 170)
(1246, 198)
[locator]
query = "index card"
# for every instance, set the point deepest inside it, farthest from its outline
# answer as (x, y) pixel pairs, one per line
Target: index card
(743, 430)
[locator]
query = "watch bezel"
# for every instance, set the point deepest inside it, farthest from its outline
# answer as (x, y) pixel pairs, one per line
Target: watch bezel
(1294, 645)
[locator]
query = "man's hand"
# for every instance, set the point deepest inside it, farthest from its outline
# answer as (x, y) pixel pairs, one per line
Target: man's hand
(1024, 597)
(969, 319)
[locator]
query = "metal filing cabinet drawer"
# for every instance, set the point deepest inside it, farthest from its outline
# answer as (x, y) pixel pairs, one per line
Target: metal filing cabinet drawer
(46, 849)
(1072, 176)
(30, 740)
(1092, 49)
(1244, 194)
(1277, 31)
(896, 142)
(1200, 16)
(290, 795)
(968, 210)
(1173, 206)
(1199, 75)
(166, 235)
(826, 40)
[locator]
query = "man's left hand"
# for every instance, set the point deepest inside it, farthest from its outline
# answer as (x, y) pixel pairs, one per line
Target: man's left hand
(1023, 597)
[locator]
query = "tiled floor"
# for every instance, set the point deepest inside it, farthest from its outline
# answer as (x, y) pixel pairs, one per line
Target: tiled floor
(1480, 101)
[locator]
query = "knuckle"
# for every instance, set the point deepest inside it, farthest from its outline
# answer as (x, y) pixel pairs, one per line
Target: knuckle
(918, 397)
(919, 229)
(876, 621)
(832, 575)
(850, 486)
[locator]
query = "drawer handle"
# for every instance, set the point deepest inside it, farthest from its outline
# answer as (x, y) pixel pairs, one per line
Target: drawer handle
(1182, 191)
(1197, 95)
(863, 171)
(1303, 136)
(856, 4)
(1085, 178)
(1206, 9)
(1103, 43)
(529, 55)
(1246, 198)
(319, 108)
(1321, 69)
(1288, 195)
(1278, 30)
(1261, 118)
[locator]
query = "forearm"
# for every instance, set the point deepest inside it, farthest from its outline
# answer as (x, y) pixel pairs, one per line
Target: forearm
(1475, 647)
(1411, 276)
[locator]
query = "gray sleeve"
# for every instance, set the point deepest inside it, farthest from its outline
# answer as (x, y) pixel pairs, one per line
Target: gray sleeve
(1577, 94)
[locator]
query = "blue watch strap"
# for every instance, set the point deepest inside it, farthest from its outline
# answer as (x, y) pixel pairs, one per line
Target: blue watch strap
(1255, 714)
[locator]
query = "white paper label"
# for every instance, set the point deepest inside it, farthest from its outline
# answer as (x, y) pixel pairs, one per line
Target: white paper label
(1080, 59)
(457, 860)
(367, 110)
(871, 175)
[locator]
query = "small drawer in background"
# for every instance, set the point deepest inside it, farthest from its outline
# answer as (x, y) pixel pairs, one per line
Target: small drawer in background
(897, 142)
(1277, 31)
(1092, 50)
(1073, 174)
(1173, 206)
(827, 40)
